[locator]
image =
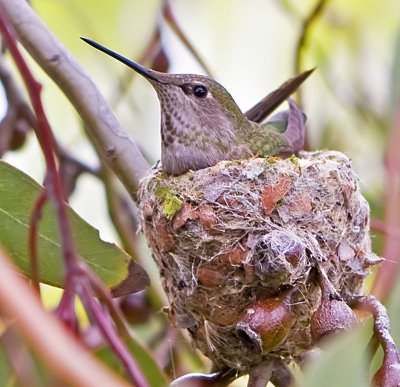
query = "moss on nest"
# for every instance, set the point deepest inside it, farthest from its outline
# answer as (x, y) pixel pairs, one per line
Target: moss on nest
(240, 235)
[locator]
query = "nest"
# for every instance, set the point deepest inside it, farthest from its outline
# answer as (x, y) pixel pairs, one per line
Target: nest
(251, 238)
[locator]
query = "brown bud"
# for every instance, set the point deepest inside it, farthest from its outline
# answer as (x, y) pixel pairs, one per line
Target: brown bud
(21, 129)
(160, 61)
(266, 323)
(135, 308)
(389, 373)
(333, 315)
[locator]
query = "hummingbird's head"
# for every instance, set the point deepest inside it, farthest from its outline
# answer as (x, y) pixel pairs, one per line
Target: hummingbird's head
(200, 121)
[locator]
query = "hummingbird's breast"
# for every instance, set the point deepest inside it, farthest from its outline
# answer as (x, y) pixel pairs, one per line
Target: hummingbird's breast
(190, 145)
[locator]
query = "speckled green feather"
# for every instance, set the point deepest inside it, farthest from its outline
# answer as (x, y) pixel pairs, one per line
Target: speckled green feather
(267, 140)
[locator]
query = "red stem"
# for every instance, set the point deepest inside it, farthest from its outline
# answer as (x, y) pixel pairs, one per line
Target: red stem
(104, 295)
(103, 322)
(381, 226)
(388, 272)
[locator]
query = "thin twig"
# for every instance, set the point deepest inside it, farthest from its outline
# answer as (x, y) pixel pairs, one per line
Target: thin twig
(305, 32)
(301, 45)
(103, 321)
(17, 110)
(281, 374)
(103, 294)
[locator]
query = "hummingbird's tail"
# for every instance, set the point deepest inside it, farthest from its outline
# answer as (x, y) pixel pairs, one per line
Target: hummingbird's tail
(269, 103)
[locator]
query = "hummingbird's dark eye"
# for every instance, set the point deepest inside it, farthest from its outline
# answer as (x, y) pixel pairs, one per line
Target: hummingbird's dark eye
(200, 91)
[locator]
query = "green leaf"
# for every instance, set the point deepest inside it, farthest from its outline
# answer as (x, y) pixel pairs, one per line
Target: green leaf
(342, 361)
(18, 193)
(5, 367)
(147, 364)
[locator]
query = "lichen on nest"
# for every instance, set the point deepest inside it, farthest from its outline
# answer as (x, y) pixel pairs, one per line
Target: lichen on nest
(253, 238)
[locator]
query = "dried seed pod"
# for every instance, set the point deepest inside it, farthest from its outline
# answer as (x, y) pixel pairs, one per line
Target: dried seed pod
(19, 134)
(388, 374)
(332, 316)
(135, 307)
(266, 323)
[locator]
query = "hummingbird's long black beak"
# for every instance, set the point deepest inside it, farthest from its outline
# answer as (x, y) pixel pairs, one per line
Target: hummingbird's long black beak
(135, 66)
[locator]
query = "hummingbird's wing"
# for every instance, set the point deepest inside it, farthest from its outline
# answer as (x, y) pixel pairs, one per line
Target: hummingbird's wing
(283, 134)
(294, 132)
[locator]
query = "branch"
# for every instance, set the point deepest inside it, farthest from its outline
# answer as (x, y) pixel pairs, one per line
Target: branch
(68, 360)
(388, 272)
(305, 32)
(122, 155)
(19, 118)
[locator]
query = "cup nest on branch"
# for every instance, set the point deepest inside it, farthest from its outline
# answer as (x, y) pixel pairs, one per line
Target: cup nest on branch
(259, 257)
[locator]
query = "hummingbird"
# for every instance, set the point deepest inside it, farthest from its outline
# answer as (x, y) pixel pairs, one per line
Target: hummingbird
(201, 124)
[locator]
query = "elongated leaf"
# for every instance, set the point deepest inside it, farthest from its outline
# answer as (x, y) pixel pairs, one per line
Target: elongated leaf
(5, 367)
(18, 193)
(342, 361)
(147, 364)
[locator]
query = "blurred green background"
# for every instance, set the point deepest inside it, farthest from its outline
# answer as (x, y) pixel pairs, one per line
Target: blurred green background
(251, 48)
